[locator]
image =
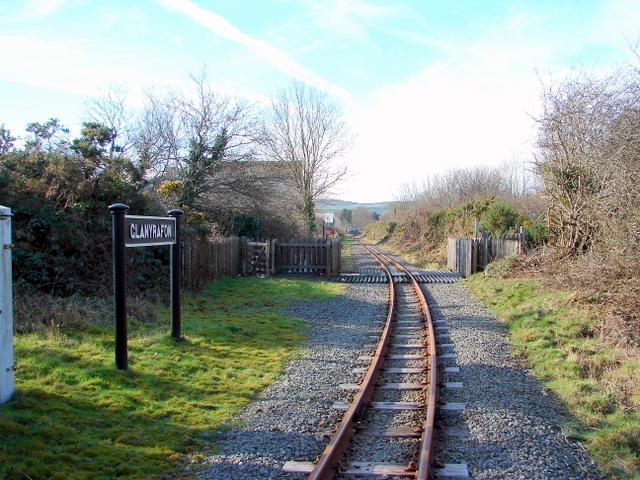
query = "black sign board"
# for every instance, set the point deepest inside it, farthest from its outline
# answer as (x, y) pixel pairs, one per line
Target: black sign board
(141, 231)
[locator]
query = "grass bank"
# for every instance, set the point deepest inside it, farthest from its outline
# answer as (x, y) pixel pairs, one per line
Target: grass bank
(597, 379)
(74, 415)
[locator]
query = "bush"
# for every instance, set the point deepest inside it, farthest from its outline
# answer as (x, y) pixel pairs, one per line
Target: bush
(499, 218)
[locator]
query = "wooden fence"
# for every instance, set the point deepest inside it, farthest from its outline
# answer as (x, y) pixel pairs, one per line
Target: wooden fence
(204, 261)
(468, 256)
(319, 257)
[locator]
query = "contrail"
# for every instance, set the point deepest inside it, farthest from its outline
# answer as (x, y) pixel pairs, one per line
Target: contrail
(218, 25)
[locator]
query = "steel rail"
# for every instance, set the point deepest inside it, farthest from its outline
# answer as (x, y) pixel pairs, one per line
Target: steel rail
(327, 463)
(426, 450)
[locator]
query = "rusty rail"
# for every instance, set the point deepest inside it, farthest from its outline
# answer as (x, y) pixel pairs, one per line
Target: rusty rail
(327, 464)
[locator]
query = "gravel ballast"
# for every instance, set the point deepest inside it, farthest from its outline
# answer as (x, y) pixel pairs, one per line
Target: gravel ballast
(511, 428)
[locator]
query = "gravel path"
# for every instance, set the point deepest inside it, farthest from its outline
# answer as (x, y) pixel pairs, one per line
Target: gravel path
(512, 432)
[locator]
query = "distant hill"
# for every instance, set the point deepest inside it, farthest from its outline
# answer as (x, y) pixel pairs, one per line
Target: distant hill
(336, 206)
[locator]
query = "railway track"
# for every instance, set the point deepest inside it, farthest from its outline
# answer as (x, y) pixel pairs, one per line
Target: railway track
(394, 394)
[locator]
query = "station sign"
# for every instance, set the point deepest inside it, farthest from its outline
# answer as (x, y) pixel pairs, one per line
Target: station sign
(142, 231)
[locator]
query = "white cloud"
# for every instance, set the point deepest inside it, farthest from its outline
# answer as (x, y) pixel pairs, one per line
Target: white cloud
(42, 8)
(346, 17)
(278, 58)
(471, 108)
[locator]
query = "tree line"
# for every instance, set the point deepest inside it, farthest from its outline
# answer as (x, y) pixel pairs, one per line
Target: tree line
(578, 195)
(234, 167)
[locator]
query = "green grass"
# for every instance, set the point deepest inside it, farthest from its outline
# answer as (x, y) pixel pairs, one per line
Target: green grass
(597, 381)
(346, 261)
(75, 416)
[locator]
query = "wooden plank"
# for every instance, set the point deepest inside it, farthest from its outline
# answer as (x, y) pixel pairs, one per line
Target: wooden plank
(452, 471)
(394, 370)
(406, 345)
(368, 358)
(383, 405)
(392, 432)
(368, 469)
(453, 385)
(387, 386)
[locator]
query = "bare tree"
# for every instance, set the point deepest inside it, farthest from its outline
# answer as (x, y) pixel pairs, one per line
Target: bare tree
(589, 160)
(361, 217)
(588, 157)
(305, 132)
(110, 110)
(200, 139)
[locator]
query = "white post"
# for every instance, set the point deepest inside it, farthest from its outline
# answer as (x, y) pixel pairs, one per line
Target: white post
(6, 307)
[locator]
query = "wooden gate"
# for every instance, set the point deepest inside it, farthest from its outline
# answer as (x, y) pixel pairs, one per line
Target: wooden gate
(255, 257)
(319, 257)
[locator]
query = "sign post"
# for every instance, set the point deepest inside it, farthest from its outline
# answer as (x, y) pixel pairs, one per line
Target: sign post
(176, 278)
(6, 308)
(118, 212)
(142, 231)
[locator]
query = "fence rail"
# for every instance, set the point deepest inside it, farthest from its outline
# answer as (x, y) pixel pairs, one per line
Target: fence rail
(468, 256)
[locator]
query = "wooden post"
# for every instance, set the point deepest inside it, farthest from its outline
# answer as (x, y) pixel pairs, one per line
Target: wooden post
(243, 256)
(485, 248)
(274, 244)
(335, 255)
(267, 259)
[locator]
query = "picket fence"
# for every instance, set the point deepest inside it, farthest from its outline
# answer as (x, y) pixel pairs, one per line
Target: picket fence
(468, 256)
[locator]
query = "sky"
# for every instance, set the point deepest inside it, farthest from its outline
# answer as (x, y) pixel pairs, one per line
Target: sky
(426, 86)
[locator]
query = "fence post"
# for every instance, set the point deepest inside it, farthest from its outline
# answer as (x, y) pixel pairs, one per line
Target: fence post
(6, 307)
(267, 259)
(243, 256)
(335, 255)
(274, 243)
(522, 233)
(485, 249)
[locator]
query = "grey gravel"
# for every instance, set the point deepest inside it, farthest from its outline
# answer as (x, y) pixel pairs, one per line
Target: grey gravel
(513, 430)
(513, 422)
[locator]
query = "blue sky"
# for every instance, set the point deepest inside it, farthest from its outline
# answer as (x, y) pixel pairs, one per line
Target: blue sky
(426, 85)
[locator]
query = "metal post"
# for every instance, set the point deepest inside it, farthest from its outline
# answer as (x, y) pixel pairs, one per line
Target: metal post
(176, 278)
(6, 308)
(118, 211)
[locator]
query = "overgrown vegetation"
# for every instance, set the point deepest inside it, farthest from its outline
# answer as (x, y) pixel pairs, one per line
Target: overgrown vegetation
(572, 301)
(563, 340)
(74, 415)
(197, 150)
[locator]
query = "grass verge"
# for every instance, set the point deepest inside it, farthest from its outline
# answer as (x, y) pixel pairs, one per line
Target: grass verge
(73, 415)
(598, 382)
(346, 261)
